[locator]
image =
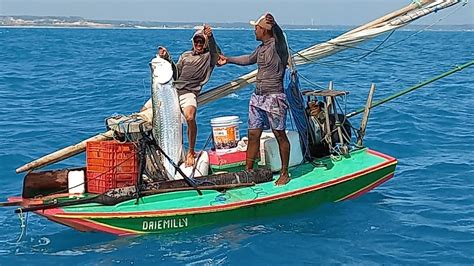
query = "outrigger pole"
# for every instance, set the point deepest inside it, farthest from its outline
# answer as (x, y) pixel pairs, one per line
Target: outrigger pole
(415, 87)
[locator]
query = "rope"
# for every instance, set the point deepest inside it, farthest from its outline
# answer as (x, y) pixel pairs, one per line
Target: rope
(329, 63)
(425, 28)
(415, 87)
(311, 82)
(197, 181)
(23, 222)
(379, 46)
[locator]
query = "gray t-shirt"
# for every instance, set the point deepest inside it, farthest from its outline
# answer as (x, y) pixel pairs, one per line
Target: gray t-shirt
(272, 58)
(194, 70)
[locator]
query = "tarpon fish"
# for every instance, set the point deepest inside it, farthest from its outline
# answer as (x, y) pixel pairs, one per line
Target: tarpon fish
(167, 123)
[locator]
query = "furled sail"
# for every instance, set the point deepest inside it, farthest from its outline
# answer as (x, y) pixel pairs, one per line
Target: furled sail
(392, 21)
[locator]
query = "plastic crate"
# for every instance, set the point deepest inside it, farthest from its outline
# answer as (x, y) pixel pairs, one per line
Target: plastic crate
(110, 165)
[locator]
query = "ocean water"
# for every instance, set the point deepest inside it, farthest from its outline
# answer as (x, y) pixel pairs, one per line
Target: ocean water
(58, 85)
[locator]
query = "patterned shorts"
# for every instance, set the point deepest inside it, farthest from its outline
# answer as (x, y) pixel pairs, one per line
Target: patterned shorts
(260, 118)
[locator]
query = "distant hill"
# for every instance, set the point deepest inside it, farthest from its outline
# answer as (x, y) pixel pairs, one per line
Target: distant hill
(79, 22)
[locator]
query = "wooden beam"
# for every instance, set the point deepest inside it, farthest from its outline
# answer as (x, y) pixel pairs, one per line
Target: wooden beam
(365, 117)
(72, 150)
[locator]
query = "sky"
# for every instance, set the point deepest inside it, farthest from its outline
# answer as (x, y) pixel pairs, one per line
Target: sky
(298, 12)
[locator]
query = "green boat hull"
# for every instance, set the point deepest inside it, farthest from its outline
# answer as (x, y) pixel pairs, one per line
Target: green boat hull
(340, 179)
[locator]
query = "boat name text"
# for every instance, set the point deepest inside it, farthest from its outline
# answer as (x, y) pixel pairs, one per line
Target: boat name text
(165, 224)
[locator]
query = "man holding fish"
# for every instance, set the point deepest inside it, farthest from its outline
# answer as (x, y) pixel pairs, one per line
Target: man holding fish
(191, 72)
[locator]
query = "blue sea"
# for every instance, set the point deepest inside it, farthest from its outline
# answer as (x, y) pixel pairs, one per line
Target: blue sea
(58, 85)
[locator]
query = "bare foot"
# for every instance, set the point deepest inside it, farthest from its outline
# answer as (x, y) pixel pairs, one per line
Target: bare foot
(283, 179)
(190, 158)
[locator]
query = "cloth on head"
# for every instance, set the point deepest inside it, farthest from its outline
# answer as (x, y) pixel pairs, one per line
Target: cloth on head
(262, 22)
(200, 34)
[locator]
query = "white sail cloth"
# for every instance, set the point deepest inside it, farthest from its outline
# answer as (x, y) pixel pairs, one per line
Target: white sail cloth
(389, 22)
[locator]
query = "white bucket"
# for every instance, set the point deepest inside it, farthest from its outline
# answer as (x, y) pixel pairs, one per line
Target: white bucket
(226, 133)
(75, 182)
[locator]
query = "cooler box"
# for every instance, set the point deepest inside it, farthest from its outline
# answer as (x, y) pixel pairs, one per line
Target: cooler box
(270, 153)
(110, 165)
(228, 162)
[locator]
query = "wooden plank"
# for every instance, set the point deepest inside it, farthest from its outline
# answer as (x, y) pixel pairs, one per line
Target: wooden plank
(365, 117)
(64, 153)
(327, 107)
(325, 93)
(337, 122)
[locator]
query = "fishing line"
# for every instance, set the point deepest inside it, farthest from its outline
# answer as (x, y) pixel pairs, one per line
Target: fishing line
(198, 182)
(144, 96)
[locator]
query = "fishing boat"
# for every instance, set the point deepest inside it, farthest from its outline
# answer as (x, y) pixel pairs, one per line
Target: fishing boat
(345, 169)
(346, 178)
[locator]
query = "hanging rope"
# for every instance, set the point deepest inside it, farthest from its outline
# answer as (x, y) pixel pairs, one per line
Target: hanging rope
(23, 222)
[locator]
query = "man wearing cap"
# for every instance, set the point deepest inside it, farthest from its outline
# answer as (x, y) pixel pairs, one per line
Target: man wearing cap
(192, 71)
(268, 105)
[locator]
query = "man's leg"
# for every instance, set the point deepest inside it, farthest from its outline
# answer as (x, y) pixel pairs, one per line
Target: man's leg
(253, 147)
(190, 115)
(284, 147)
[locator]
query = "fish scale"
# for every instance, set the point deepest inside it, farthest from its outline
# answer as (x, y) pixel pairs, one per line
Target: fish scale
(167, 123)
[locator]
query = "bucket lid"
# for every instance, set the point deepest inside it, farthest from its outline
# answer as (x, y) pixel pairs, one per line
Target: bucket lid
(225, 119)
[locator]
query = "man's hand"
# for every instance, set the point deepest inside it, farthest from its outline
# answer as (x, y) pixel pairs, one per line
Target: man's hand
(222, 60)
(270, 19)
(207, 31)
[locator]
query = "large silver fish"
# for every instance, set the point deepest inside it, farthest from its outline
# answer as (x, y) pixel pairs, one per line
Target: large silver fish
(167, 123)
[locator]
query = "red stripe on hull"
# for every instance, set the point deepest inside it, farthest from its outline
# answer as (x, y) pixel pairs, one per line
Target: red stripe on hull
(379, 154)
(85, 225)
(367, 189)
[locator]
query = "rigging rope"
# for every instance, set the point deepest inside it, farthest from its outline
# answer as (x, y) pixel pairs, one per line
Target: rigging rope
(427, 27)
(415, 87)
(361, 34)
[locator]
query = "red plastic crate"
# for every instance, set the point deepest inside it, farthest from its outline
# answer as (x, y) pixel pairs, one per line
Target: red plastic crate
(110, 164)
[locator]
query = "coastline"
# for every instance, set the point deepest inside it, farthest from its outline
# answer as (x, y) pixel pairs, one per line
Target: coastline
(324, 28)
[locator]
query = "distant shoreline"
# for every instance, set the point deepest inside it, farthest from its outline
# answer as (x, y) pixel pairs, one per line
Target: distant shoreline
(338, 28)
(51, 22)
